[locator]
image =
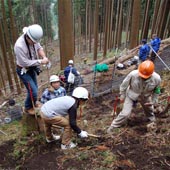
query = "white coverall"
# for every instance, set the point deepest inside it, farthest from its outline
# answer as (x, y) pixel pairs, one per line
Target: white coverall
(135, 88)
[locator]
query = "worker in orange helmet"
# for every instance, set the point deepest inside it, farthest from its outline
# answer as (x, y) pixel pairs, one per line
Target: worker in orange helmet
(141, 85)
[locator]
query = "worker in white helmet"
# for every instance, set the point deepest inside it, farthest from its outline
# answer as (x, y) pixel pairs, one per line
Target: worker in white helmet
(54, 90)
(70, 69)
(62, 111)
(29, 55)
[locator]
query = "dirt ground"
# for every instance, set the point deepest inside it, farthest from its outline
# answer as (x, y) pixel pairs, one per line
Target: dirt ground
(132, 147)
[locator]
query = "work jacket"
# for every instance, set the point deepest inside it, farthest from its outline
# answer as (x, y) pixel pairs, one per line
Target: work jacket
(155, 43)
(67, 71)
(62, 106)
(144, 52)
(23, 57)
(134, 86)
(51, 93)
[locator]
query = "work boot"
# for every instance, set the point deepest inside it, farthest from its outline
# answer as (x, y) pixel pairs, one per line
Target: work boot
(54, 138)
(30, 111)
(69, 146)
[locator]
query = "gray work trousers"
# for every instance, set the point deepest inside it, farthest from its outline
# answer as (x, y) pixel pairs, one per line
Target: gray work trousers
(127, 108)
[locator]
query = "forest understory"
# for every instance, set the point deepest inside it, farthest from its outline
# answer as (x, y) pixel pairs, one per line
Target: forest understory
(132, 147)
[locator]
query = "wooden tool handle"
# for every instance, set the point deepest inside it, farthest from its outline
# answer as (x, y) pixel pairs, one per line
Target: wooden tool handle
(95, 136)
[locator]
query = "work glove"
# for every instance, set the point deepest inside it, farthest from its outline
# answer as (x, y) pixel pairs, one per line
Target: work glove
(122, 98)
(155, 98)
(48, 66)
(23, 71)
(83, 134)
(109, 130)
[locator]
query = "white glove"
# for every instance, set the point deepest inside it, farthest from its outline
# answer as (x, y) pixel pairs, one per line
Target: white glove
(109, 130)
(23, 71)
(83, 134)
(48, 66)
(122, 97)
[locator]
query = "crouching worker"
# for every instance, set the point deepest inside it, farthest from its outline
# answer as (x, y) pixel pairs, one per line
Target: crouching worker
(139, 85)
(62, 112)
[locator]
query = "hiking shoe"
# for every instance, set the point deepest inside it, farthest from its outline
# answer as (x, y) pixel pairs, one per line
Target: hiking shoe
(30, 111)
(69, 146)
(54, 138)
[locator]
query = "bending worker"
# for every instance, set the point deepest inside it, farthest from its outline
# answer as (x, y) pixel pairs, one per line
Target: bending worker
(62, 111)
(139, 85)
(28, 50)
(54, 90)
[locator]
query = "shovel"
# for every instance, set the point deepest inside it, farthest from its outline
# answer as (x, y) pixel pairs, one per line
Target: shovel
(89, 134)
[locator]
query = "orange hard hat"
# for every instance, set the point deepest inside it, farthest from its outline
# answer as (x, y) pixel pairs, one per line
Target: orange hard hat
(146, 69)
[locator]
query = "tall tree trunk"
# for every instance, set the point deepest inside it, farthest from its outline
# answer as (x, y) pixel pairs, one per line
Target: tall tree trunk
(65, 32)
(114, 24)
(146, 20)
(120, 25)
(117, 23)
(86, 23)
(165, 12)
(90, 23)
(102, 24)
(12, 24)
(111, 25)
(155, 16)
(5, 43)
(106, 28)
(96, 26)
(159, 17)
(13, 37)
(128, 21)
(167, 28)
(45, 26)
(135, 24)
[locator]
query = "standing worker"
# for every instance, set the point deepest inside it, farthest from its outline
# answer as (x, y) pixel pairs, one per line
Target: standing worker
(155, 44)
(70, 86)
(54, 90)
(28, 50)
(139, 85)
(144, 51)
(62, 111)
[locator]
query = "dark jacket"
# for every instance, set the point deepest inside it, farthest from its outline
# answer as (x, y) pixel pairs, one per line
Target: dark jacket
(67, 71)
(155, 43)
(144, 52)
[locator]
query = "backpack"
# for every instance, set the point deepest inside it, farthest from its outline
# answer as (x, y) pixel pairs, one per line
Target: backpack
(71, 77)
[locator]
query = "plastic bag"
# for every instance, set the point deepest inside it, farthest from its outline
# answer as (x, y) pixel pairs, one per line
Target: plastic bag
(71, 77)
(101, 68)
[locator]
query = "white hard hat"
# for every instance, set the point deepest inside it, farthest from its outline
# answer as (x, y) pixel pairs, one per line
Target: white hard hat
(34, 32)
(70, 62)
(136, 57)
(120, 65)
(80, 93)
(54, 78)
